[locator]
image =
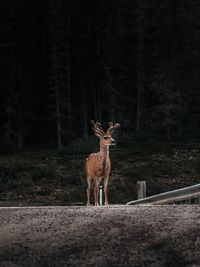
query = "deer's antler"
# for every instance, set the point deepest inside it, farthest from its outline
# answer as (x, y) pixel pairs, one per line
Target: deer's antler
(97, 128)
(112, 127)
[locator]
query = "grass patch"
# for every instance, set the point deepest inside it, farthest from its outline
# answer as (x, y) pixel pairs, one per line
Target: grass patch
(58, 176)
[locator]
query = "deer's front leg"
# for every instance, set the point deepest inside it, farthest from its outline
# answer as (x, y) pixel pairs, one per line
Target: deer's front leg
(106, 190)
(88, 191)
(96, 192)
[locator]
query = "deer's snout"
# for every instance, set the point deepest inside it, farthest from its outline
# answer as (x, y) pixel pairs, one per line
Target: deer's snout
(113, 141)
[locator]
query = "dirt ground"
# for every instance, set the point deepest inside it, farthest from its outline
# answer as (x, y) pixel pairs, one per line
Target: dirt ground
(99, 236)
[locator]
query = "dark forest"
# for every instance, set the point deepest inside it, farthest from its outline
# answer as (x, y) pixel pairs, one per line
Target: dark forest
(68, 65)
(64, 63)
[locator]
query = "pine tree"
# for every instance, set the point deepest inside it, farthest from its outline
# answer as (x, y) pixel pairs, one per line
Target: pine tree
(58, 73)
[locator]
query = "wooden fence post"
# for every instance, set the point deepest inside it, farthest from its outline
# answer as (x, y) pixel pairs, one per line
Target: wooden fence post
(197, 201)
(188, 201)
(141, 189)
(186, 195)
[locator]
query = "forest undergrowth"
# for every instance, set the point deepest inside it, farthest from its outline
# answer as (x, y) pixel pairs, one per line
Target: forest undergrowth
(52, 177)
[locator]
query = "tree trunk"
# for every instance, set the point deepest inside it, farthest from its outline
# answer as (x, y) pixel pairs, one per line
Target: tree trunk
(168, 134)
(99, 105)
(168, 128)
(84, 104)
(139, 72)
(58, 114)
(10, 108)
(69, 115)
(20, 138)
(58, 120)
(97, 95)
(94, 99)
(139, 107)
(180, 133)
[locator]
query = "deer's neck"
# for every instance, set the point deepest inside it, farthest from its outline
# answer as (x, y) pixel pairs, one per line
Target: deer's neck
(104, 151)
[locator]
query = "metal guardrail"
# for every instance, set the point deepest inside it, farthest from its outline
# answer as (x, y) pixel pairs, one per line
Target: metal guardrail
(179, 195)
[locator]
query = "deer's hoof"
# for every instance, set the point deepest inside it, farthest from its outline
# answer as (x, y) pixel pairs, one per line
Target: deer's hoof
(88, 205)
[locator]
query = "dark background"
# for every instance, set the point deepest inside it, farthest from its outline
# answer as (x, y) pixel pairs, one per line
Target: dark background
(64, 63)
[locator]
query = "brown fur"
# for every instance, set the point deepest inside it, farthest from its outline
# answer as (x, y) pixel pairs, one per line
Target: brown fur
(98, 165)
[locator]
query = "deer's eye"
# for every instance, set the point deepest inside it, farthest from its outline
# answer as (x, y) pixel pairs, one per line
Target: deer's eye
(106, 137)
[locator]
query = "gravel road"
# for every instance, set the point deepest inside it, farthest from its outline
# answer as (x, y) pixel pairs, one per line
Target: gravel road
(99, 236)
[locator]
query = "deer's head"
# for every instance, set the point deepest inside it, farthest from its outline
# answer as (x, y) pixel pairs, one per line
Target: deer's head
(105, 137)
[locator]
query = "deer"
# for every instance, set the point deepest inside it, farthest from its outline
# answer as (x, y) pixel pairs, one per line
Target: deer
(98, 165)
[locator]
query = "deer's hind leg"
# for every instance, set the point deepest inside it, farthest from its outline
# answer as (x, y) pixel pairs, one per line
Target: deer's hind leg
(88, 190)
(106, 190)
(96, 192)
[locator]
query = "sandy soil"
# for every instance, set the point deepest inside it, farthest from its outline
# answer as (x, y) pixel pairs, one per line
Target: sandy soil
(98, 236)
